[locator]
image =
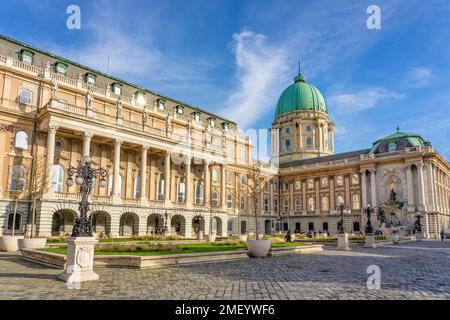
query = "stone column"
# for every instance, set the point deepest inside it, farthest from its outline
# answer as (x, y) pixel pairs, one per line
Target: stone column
(187, 183)
(300, 136)
(431, 193)
(332, 197)
(143, 198)
(167, 179)
(421, 187)
(87, 137)
(409, 183)
(206, 196)
(271, 208)
(373, 188)
(347, 190)
(51, 137)
(304, 204)
(223, 182)
(116, 194)
(291, 198)
(364, 188)
(317, 186)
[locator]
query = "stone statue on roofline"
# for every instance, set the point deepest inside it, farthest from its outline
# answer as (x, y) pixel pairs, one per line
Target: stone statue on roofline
(54, 87)
(88, 98)
(119, 108)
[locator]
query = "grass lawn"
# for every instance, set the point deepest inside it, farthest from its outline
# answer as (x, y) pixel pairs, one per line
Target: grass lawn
(173, 249)
(107, 240)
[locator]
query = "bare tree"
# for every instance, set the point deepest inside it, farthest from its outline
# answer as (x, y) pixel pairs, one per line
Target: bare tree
(16, 188)
(256, 182)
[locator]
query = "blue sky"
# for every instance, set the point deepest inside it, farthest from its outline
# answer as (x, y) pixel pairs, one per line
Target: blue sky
(234, 57)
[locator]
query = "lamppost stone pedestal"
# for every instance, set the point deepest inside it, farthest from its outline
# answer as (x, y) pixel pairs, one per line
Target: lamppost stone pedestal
(420, 235)
(370, 241)
(343, 241)
(80, 260)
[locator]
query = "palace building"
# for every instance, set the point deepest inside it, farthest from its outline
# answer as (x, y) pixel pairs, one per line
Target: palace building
(175, 166)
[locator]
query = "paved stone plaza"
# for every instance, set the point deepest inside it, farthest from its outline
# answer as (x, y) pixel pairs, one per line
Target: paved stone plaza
(413, 270)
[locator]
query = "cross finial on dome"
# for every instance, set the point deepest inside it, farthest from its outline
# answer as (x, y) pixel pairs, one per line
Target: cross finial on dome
(398, 128)
(299, 67)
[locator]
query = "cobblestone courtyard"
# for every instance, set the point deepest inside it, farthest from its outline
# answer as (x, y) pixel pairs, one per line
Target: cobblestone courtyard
(414, 270)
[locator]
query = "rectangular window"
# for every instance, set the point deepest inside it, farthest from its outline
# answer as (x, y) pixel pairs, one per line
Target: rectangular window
(26, 96)
(61, 68)
(26, 57)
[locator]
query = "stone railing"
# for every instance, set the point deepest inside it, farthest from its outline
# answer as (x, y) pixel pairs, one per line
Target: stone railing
(100, 199)
(67, 196)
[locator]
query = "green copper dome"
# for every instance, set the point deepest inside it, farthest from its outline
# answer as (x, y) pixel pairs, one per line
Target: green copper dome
(300, 96)
(398, 141)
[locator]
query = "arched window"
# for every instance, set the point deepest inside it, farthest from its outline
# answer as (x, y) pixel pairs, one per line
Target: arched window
(18, 222)
(214, 175)
(230, 177)
(355, 202)
(311, 204)
(160, 190)
(229, 201)
(287, 144)
(21, 140)
(242, 180)
(242, 203)
(215, 199)
(339, 200)
(57, 178)
(18, 178)
(199, 194)
(110, 185)
(325, 205)
(137, 187)
(181, 192)
(298, 205)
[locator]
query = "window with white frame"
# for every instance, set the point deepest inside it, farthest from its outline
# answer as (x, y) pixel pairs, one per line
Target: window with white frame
(310, 183)
(179, 109)
(57, 178)
(26, 96)
(181, 192)
(90, 78)
(199, 194)
(18, 178)
(26, 56)
(61, 68)
(196, 116)
(229, 201)
(287, 144)
(230, 176)
(324, 182)
(214, 175)
(355, 202)
(18, 222)
(21, 140)
(286, 205)
(242, 203)
(298, 205)
(137, 187)
(339, 181)
(110, 185)
(325, 204)
(116, 88)
(160, 190)
(139, 96)
(215, 199)
(339, 200)
(311, 204)
(161, 104)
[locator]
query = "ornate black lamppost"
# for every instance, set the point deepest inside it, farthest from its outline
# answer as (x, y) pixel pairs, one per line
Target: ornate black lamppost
(368, 211)
(417, 223)
(341, 210)
(80, 246)
(84, 177)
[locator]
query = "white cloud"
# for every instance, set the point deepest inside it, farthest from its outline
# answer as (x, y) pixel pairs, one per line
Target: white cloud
(363, 100)
(420, 77)
(261, 69)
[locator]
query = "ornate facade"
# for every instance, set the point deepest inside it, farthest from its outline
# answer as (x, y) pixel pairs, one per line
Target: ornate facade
(174, 165)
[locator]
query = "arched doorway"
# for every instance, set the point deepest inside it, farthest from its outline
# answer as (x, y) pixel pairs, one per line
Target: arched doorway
(216, 226)
(198, 224)
(101, 223)
(155, 224)
(178, 225)
(129, 224)
(62, 222)
(268, 227)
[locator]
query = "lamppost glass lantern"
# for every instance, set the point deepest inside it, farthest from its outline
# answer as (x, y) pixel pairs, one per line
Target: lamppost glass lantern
(84, 177)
